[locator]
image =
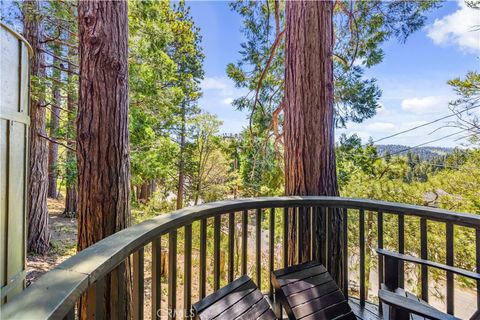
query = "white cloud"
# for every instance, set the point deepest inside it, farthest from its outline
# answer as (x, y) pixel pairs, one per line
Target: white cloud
(228, 100)
(428, 104)
(380, 127)
(215, 83)
(458, 28)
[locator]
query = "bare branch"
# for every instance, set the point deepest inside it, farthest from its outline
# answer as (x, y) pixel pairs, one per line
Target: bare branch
(56, 141)
(264, 72)
(58, 57)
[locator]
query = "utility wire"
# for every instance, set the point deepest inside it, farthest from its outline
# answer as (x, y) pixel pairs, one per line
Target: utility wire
(443, 165)
(424, 143)
(426, 124)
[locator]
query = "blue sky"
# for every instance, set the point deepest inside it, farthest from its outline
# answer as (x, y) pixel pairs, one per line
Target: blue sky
(412, 76)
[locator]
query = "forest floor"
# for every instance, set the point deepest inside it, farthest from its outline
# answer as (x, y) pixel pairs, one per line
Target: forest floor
(63, 242)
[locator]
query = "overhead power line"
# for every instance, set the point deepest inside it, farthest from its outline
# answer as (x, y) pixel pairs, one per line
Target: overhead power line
(425, 143)
(426, 124)
(444, 165)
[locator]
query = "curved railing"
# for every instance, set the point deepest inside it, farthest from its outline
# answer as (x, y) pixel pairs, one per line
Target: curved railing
(55, 294)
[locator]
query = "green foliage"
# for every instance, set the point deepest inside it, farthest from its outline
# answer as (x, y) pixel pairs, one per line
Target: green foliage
(454, 186)
(466, 105)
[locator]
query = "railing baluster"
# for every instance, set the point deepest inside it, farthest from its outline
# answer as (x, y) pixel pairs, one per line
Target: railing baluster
(345, 251)
(156, 277)
(285, 237)
(362, 256)
(203, 259)
(258, 251)
(121, 291)
(298, 232)
(477, 245)
(138, 283)
(401, 249)
(216, 252)
(323, 224)
(231, 245)
(99, 299)
(450, 282)
(271, 240)
(380, 246)
(187, 291)
(172, 274)
(423, 255)
(244, 241)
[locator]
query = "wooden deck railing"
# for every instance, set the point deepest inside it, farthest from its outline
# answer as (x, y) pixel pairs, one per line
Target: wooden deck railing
(55, 294)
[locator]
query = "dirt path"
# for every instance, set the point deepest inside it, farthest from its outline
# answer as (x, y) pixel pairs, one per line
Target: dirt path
(63, 241)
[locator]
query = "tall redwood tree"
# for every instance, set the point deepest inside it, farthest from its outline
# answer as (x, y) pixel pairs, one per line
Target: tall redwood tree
(38, 232)
(309, 122)
(102, 132)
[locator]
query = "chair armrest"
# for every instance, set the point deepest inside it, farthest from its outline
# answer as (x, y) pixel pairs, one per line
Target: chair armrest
(411, 306)
(408, 258)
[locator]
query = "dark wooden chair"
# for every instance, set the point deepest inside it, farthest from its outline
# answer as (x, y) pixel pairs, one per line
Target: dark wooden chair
(399, 304)
(307, 291)
(240, 299)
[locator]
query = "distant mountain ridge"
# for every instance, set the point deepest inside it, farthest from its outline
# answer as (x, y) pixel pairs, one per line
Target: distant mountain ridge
(425, 153)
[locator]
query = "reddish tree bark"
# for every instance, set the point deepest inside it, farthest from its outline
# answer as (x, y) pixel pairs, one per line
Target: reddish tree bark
(38, 232)
(309, 121)
(102, 135)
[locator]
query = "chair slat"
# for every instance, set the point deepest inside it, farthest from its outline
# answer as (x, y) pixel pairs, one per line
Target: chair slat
(318, 304)
(311, 293)
(240, 299)
(342, 309)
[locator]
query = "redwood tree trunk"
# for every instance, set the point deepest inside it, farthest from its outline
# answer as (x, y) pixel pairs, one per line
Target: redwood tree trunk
(54, 123)
(38, 232)
(102, 135)
(309, 123)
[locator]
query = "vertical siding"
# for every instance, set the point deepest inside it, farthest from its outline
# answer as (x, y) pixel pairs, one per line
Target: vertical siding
(14, 126)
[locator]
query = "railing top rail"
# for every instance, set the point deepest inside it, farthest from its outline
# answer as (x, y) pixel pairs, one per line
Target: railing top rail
(56, 292)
